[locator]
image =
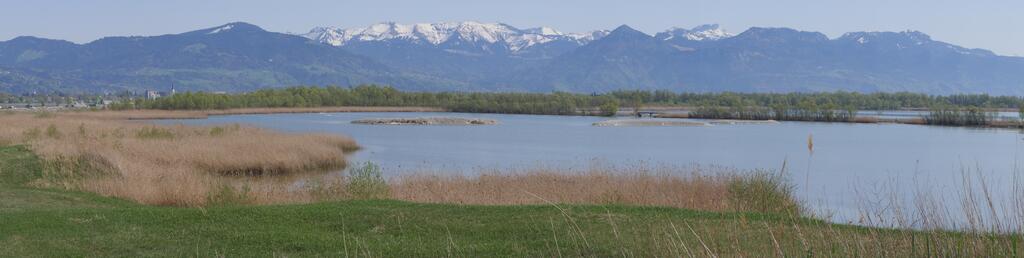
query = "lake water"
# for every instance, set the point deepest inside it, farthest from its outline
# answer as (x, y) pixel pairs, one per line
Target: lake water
(851, 163)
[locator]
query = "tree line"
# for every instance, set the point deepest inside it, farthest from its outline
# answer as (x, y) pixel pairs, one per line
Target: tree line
(372, 95)
(829, 106)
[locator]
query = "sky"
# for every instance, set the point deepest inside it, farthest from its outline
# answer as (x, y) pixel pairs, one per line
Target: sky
(993, 25)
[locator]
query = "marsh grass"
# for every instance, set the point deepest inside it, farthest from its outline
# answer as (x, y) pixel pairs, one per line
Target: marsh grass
(589, 212)
(763, 191)
(803, 112)
(200, 114)
(692, 187)
(153, 132)
(199, 166)
(163, 165)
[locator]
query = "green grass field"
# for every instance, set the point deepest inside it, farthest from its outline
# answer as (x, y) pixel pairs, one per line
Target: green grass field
(45, 222)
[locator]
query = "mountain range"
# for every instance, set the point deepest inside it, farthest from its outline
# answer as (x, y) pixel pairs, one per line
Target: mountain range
(473, 56)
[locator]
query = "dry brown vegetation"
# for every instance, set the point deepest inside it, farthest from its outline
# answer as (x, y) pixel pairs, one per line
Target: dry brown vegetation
(199, 114)
(162, 165)
(178, 165)
(668, 187)
(708, 189)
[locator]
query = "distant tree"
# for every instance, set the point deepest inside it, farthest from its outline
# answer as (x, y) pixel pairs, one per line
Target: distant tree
(610, 108)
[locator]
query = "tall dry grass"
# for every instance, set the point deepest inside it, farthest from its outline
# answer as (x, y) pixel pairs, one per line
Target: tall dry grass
(698, 188)
(691, 188)
(199, 114)
(193, 166)
(163, 165)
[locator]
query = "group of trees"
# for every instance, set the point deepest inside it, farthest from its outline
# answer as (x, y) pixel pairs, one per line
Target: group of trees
(371, 95)
(804, 111)
(834, 106)
(861, 101)
(959, 116)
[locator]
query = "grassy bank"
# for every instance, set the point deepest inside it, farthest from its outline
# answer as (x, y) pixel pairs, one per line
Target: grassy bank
(61, 223)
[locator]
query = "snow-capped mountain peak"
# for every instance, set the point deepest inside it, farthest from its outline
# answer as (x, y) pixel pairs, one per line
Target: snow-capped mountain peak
(707, 32)
(510, 37)
(546, 31)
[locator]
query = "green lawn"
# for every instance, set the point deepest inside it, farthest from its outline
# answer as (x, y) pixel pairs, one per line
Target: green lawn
(38, 222)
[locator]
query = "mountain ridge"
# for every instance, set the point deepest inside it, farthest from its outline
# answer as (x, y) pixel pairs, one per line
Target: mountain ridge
(474, 56)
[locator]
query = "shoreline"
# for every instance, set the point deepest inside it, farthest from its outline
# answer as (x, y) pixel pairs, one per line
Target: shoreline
(668, 112)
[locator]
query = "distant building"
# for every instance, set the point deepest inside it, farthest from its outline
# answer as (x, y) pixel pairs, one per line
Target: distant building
(151, 94)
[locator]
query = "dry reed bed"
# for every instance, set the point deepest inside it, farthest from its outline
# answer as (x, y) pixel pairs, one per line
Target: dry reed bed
(195, 166)
(163, 165)
(200, 114)
(698, 188)
(669, 187)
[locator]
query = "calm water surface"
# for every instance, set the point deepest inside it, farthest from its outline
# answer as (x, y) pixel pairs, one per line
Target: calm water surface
(850, 162)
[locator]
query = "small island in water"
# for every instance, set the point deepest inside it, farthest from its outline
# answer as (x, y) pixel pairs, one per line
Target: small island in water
(426, 121)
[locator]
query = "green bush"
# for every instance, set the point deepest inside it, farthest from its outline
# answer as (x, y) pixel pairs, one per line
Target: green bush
(44, 114)
(52, 132)
(366, 181)
(609, 108)
(763, 191)
(154, 133)
(216, 131)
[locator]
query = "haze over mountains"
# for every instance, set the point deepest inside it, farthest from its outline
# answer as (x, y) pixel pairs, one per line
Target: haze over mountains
(472, 56)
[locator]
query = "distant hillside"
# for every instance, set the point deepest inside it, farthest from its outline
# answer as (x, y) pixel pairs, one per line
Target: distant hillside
(782, 60)
(232, 57)
(471, 56)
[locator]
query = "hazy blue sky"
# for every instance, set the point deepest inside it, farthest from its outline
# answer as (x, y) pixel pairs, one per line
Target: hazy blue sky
(995, 25)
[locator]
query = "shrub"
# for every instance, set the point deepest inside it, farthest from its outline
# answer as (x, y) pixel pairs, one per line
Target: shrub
(154, 133)
(367, 182)
(216, 131)
(763, 191)
(609, 108)
(52, 132)
(44, 114)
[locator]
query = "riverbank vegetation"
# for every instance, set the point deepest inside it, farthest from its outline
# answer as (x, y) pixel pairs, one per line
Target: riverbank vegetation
(178, 165)
(73, 184)
(956, 116)
(561, 103)
(370, 96)
(53, 222)
(162, 165)
(149, 114)
(804, 111)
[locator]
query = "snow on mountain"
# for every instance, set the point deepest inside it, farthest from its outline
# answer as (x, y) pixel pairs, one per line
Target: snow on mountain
(708, 32)
(221, 29)
(437, 33)
(546, 31)
(906, 39)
